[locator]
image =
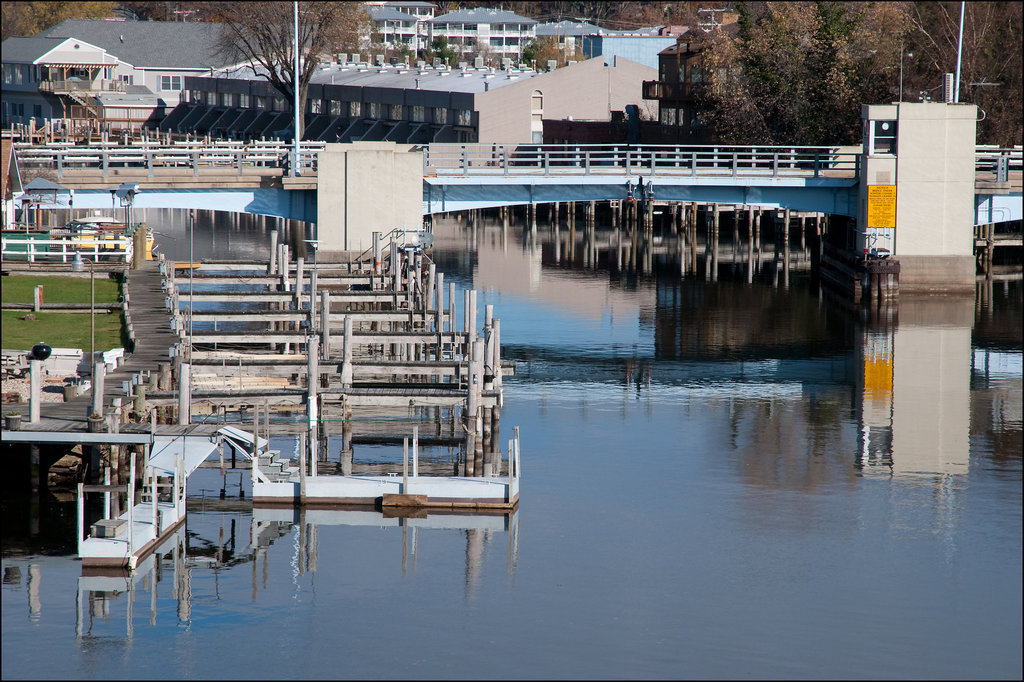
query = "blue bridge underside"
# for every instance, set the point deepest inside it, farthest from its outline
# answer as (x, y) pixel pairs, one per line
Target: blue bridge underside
(457, 194)
(294, 204)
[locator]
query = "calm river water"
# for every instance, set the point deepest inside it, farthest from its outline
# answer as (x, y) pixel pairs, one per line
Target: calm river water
(722, 479)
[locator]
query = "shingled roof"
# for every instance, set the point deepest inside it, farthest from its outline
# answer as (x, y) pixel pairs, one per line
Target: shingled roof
(157, 44)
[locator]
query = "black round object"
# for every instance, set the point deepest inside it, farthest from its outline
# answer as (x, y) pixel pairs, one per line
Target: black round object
(41, 351)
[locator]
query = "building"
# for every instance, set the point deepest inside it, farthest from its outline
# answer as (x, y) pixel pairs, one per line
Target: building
(680, 76)
(568, 35)
(641, 46)
(397, 29)
(107, 73)
(481, 31)
(411, 104)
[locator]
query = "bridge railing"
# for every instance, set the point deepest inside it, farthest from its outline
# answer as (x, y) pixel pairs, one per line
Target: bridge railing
(44, 247)
(999, 161)
(196, 156)
(619, 159)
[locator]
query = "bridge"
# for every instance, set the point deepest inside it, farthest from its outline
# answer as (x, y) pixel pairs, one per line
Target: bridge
(255, 178)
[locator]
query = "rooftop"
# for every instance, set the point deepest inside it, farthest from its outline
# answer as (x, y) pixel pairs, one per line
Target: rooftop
(482, 15)
(168, 44)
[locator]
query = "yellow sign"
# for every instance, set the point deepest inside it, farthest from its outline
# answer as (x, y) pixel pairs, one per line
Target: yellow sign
(881, 206)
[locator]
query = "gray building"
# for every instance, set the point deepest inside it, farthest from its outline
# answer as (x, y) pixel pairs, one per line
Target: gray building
(113, 73)
(411, 104)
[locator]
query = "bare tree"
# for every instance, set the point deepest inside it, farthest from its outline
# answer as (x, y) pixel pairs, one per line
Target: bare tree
(262, 34)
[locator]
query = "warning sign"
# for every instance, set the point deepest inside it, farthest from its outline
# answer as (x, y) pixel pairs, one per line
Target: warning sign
(881, 206)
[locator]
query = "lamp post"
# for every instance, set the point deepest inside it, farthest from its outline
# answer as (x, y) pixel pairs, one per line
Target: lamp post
(903, 54)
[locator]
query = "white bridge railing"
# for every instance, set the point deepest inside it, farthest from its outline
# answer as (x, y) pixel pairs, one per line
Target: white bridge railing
(194, 156)
(441, 159)
(42, 247)
(619, 159)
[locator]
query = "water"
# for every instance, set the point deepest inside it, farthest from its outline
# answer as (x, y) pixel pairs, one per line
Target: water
(721, 479)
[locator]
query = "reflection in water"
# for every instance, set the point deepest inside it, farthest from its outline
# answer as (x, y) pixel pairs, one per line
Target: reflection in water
(816, 471)
(186, 552)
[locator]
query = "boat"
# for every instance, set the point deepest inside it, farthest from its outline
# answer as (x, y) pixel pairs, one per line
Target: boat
(99, 236)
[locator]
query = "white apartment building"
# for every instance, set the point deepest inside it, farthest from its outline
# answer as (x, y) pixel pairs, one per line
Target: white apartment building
(481, 31)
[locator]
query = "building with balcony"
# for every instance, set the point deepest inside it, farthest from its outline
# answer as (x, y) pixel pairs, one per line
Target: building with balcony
(482, 31)
(104, 73)
(396, 29)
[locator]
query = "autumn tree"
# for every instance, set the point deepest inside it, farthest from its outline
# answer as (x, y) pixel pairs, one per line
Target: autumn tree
(262, 34)
(798, 72)
(29, 18)
(990, 65)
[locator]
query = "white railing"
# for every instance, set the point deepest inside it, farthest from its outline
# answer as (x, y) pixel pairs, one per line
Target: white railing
(154, 156)
(618, 159)
(33, 248)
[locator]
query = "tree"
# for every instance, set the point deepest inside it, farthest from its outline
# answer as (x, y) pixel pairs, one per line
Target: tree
(29, 18)
(262, 34)
(991, 60)
(440, 49)
(798, 72)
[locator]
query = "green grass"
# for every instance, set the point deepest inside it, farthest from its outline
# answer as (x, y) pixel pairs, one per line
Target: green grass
(60, 330)
(20, 289)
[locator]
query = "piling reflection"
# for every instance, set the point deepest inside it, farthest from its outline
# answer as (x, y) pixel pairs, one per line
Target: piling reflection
(108, 602)
(711, 312)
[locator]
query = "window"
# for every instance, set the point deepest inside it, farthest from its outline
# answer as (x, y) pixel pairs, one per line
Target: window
(464, 117)
(211, 98)
(419, 113)
(396, 112)
(279, 104)
(108, 72)
(260, 102)
(315, 106)
(667, 116)
(170, 82)
(126, 78)
(440, 114)
(8, 73)
(373, 110)
(37, 110)
(537, 101)
(354, 109)
(243, 100)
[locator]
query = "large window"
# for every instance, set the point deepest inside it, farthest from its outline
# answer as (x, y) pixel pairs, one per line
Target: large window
(419, 113)
(354, 109)
(440, 114)
(243, 100)
(315, 106)
(170, 82)
(374, 110)
(334, 107)
(396, 112)
(464, 117)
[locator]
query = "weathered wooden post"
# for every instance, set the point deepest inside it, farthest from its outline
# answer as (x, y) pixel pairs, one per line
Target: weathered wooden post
(99, 371)
(346, 363)
(325, 324)
(184, 394)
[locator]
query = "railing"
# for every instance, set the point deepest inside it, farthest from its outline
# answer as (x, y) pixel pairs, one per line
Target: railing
(441, 159)
(59, 86)
(36, 247)
(619, 159)
(666, 90)
(999, 161)
(192, 155)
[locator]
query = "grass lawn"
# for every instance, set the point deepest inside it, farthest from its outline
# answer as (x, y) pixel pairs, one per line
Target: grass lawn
(60, 329)
(20, 288)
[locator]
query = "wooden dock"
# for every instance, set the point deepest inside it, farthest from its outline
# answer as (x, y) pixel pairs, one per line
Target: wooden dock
(369, 350)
